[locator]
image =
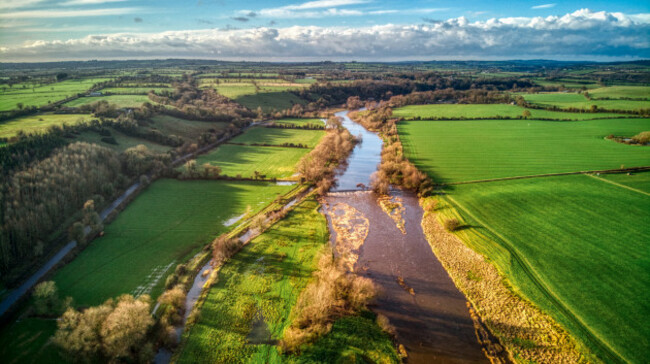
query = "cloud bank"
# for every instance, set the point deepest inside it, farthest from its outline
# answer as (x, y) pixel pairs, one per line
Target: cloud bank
(583, 34)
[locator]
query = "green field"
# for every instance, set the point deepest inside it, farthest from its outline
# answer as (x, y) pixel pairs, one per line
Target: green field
(568, 83)
(454, 151)
(163, 227)
(636, 92)
(470, 111)
(258, 287)
(124, 141)
(269, 101)
(191, 129)
(27, 341)
(272, 94)
(574, 100)
(639, 181)
(300, 122)
(34, 95)
(134, 90)
(274, 162)
(119, 100)
(275, 136)
(36, 124)
(594, 235)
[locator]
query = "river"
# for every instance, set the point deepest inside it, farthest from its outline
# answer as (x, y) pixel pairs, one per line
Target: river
(417, 295)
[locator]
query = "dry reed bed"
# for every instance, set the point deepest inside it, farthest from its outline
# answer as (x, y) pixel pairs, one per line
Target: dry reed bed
(351, 228)
(528, 334)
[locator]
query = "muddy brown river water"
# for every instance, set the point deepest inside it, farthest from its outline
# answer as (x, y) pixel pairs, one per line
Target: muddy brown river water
(417, 295)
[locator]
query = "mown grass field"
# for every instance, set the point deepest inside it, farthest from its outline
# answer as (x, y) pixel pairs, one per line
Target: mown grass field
(124, 141)
(496, 111)
(574, 100)
(259, 286)
(119, 100)
(34, 95)
(454, 151)
(637, 92)
(585, 240)
(37, 124)
(639, 180)
(191, 129)
(275, 136)
(164, 226)
(274, 162)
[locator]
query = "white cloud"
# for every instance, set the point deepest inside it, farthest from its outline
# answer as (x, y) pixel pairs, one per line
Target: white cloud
(89, 2)
(50, 13)
(13, 4)
(583, 34)
(319, 4)
(543, 6)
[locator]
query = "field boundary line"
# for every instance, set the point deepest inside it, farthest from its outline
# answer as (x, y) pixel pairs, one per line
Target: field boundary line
(544, 290)
(620, 170)
(619, 185)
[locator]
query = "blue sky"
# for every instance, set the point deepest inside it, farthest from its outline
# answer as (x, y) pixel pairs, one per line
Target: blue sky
(88, 29)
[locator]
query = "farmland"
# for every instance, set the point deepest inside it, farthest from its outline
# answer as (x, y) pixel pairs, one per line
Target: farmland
(119, 100)
(273, 136)
(259, 286)
(578, 101)
(507, 148)
(615, 92)
(268, 94)
(190, 129)
(39, 95)
(243, 160)
(470, 111)
(123, 141)
(300, 122)
(585, 229)
(134, 90)
(37, 124)
(162, 227)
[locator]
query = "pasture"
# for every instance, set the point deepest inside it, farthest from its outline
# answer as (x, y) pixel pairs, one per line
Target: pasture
(37, 124)
(259, 286)
(616, 92)
(124, 141)
(27, 341)
(497, 111)
(134, 90)
(119, 100)
(190, 129)
(40, 95)
(161, 228)
(300, 122)
(594, 235)
(573, 100)
(639, 180)
(274, 162)
(275, 136)
(466, 150)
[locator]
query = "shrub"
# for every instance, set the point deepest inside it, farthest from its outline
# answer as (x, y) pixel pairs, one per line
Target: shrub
(223, 248)
(452, 224)
(46, 299)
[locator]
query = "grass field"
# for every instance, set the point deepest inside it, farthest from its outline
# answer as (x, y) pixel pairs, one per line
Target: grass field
(639, 181)
(637, 92)
(27, 341)
(594, 235)
(454, 151)
(275, 136)
(34, 95)
(574, 100)
(119, 100)
(496, 111)
(134, 90)
(123, 141)
(269, 101)
(274, 162)
(272, 94)
(164, 226)
(36, 124)
(191, 129)
(568, 83)
(300, 122)
(259, 286)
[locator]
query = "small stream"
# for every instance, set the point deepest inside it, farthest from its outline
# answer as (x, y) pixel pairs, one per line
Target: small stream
(416, 294)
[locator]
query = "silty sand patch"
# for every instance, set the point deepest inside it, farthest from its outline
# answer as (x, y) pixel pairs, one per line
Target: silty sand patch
(394, 208)
(351, 228)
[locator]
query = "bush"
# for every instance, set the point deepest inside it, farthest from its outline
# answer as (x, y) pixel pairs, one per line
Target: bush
(46, 300)
(452, 224)
(223, 248)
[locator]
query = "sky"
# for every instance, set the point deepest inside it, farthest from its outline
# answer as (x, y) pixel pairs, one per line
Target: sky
(336, 30)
